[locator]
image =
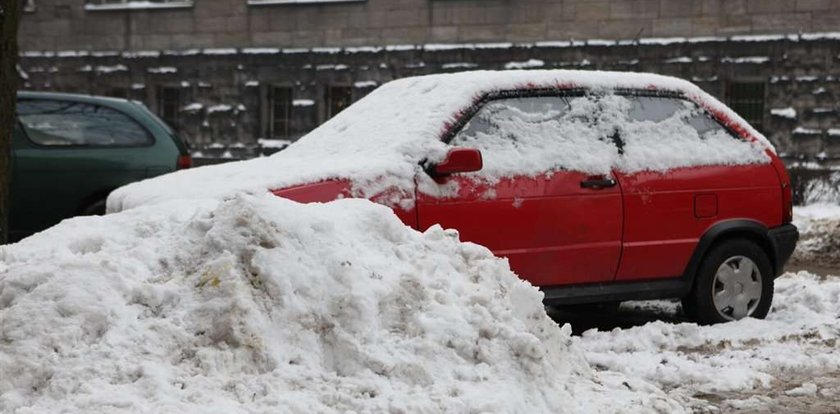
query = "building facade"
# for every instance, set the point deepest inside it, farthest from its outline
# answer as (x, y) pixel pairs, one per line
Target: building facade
(229, 72)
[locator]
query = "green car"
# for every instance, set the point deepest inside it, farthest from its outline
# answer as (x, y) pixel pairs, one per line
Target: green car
(69, 151)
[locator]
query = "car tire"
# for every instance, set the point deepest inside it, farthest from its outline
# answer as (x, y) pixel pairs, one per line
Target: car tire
(734, 281)
(592, 308)
(96, 208)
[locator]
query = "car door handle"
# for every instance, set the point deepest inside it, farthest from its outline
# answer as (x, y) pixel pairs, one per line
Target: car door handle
(598, 183)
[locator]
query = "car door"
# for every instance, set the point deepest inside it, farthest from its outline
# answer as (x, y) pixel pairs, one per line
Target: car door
(683, 172)
(68, 153)
(544, 199)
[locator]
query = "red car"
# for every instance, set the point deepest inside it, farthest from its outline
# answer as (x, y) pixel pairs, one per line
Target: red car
(596, 186)
(713, 229)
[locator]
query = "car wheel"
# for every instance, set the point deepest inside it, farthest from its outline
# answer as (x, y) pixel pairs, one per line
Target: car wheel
(734, 281)
(590, 308)
(95, 209)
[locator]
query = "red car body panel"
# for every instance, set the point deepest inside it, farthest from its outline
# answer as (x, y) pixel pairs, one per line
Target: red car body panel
(320, 192)
(521, 218)
(329, 190)
(662, 222)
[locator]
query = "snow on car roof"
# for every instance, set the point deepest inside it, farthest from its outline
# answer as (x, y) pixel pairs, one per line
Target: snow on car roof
(380, 140)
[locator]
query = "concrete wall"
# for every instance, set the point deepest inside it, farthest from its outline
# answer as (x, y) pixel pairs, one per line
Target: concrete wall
(797, 72)
(65, 24)
(121, 53)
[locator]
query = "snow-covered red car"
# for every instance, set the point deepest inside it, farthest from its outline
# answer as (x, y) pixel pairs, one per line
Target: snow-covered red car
(596, 186)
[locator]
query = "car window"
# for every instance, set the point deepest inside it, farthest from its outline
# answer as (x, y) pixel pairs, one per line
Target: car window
(659, 108)
(661, 133)
(531, 135)
(595, 133)
(67, 123)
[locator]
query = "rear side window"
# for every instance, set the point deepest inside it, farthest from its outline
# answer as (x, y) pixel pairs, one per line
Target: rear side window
(662, 133)
(658, 109)
(68, 124)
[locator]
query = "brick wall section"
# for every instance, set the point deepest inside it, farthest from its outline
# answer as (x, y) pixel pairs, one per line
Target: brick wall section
(65, 24)
(799, 73)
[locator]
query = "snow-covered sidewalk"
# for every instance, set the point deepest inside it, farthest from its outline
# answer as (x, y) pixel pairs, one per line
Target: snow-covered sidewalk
(791, 359)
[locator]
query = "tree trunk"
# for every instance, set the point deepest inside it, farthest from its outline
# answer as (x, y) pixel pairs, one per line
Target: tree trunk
(9, 20)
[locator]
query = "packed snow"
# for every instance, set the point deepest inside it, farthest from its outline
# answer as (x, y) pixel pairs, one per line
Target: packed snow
(786, 363)
(788, 112)
(686, 359)
(379, 142)
(260, 304)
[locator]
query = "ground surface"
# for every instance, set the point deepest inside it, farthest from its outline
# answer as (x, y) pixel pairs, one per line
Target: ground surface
(788, 363)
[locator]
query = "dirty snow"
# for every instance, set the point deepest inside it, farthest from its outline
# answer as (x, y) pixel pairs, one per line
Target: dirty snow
(786, 363)
(260, 304)
(819, 225)
(799, 336)
(380, 141)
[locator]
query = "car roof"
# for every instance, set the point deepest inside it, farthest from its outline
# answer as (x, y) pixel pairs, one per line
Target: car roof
(78, 97)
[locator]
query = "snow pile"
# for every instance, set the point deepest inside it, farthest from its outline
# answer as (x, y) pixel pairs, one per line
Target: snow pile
(259, 304)
(796, 343)
(788, 112)
(822, 190)
(819, 241)
(379, 141)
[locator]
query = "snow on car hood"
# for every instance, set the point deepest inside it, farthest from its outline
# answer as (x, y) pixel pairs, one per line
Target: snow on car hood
(260, 304)
(379, 141)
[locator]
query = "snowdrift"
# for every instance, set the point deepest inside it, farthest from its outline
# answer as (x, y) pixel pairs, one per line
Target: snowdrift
(259, 304)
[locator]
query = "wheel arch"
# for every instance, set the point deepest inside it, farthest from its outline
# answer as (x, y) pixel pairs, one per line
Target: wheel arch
(92, 199)
(728, 230)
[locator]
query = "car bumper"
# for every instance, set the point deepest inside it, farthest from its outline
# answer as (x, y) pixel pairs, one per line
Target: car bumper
(783, 239)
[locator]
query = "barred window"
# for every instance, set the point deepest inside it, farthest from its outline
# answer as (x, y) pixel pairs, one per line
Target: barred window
(136, 4)
(280, 111)
(169, 104)
(747, 100)
(338, 98)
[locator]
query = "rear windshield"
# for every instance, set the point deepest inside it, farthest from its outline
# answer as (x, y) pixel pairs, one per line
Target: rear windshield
(58, 123)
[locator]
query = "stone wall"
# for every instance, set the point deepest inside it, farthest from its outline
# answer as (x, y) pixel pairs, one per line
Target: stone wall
(224, 94)
(67, 24)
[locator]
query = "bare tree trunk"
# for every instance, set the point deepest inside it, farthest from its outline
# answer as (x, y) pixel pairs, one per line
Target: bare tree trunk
(9, 20)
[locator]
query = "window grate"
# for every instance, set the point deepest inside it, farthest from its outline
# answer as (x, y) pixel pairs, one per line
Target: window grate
(169, 105)
(281, 111)
(747, 100)
(338, 98)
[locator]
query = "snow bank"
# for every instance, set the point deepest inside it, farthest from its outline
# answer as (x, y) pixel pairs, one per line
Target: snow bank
(379, 141)
(798, 338)
(259, 304)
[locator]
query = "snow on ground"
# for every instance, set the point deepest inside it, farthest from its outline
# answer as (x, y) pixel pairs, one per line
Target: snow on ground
(788, 362)
(259, 304)
(798, 339)
(819, 242)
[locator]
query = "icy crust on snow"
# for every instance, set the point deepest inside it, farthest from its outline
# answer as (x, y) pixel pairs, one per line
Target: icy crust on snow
(259, 304)
(379, 141)
(799, 337)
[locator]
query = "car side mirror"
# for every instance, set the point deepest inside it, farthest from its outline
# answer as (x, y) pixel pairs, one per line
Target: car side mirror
(458, 160)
